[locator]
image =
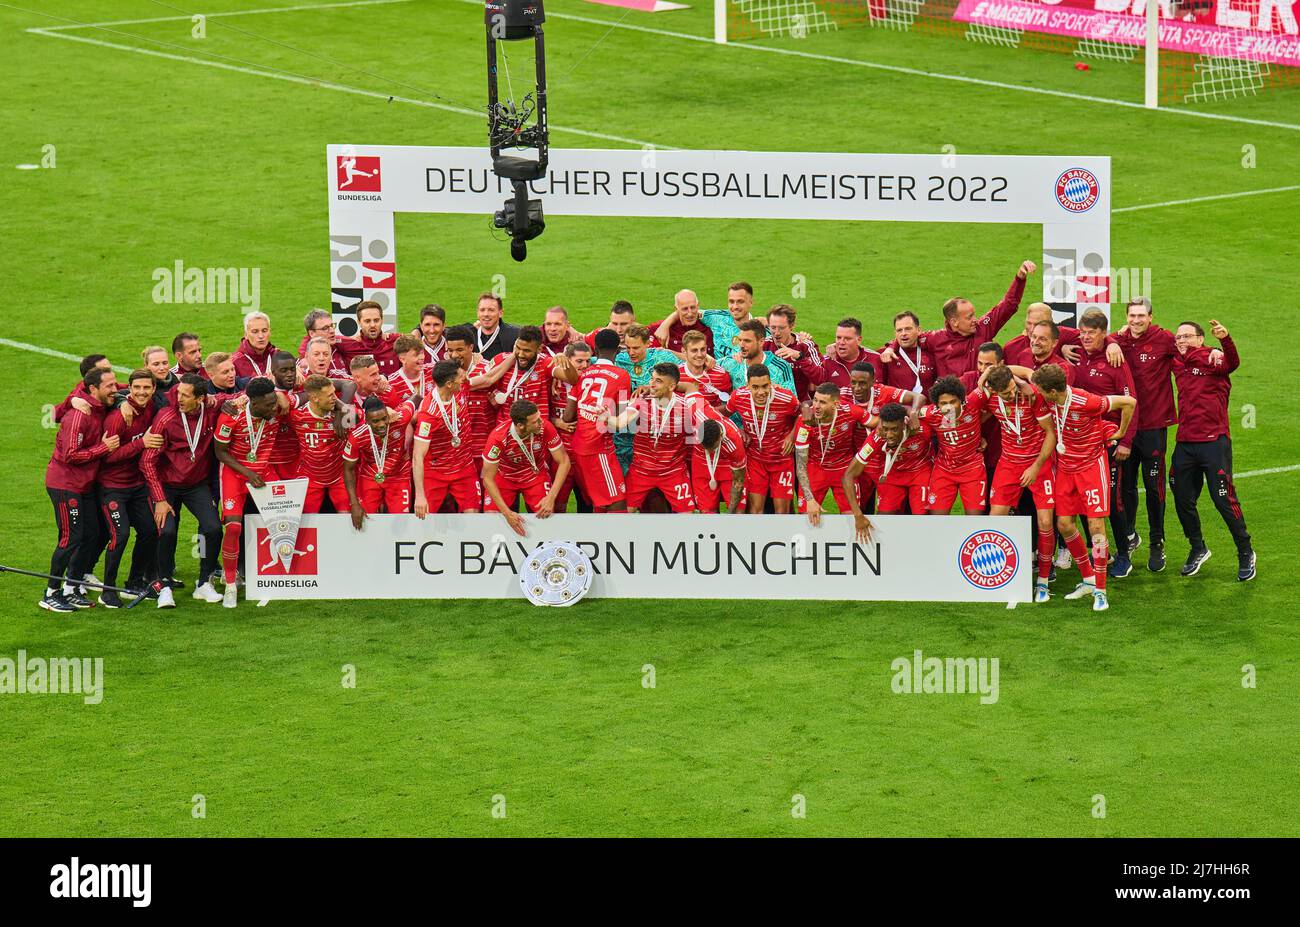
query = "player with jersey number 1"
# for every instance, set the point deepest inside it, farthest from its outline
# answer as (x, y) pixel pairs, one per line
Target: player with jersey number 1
(1083, 472)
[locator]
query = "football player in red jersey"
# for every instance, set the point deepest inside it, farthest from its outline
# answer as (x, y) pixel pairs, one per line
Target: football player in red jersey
(478, 380)
(599, 393)
(663, 421)
(718, 460)
(284, 443)
(441, 459)
(578, 356)
(698, 367)
(1083, 473)
(898, 459)
(530, 372)
(514, 464)
(959, 464)
(1028, 442)
(376, 466)
(244, 442)
(410, 380)
(824, 447)
(769, 438)
(320, 446)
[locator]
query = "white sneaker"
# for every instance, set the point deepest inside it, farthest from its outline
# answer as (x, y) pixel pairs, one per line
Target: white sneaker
(1041, 593)
(165, 598)
(1099, 603)
(1063, 559)
(1081, 590)
(231, 598)
(206, 593)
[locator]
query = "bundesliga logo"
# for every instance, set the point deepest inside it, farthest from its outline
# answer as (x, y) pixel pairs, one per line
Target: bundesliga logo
(988, 559)
(1077, 190)
(358, 174)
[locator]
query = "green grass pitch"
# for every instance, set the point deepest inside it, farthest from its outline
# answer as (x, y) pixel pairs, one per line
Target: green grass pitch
(161, 159)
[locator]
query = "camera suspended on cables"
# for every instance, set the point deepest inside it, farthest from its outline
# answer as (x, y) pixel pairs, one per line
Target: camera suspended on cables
(517, 126)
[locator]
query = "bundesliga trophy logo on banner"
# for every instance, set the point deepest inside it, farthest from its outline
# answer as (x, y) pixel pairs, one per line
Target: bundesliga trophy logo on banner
(280, 504)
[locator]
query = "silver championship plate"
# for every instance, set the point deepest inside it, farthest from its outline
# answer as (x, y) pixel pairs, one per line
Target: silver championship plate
(556, 573)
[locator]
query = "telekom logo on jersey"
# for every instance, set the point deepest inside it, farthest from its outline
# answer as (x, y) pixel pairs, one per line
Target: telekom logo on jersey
(303, 562)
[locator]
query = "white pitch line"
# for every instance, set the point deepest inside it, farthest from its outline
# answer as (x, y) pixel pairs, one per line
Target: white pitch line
(63, 32)
(189, 17)
(916, 72)
(50, 352)
(1207, 199)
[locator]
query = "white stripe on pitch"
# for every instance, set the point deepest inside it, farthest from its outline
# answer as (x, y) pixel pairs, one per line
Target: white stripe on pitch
(60, 355)
(1207, 199)
(63, 32)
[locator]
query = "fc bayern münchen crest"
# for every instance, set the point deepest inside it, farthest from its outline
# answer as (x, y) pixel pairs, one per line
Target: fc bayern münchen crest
(556, 573)
(988, 559)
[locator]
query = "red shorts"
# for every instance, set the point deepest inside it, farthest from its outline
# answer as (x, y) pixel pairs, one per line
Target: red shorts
(709, 500)
(770, 478)
(600, 477)
(316, 493)
(972, 483)
(911, 486)
(1084, 492)
(534, 491)
(676, 487)
(394, 494)
(463, 486)
(823, 480)
(234, 489)
(1007, 489)
(566, 488)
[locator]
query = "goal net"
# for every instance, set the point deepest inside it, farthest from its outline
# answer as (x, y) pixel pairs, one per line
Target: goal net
(1207, 49)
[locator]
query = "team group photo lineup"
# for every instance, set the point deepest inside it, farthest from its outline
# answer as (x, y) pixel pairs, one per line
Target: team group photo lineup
(945, 410)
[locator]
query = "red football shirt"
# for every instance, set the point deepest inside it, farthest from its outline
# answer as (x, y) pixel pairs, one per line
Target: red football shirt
(1019, 421)
(659, 442)
(446, 428)
(533, 384)
(715, 385)
(601, 388)
(959, 443)
(766, 428)
(319, 447)
(365, 450)
(402, 388)
(831, 445)
(1078, 429)
(912, 453)
(234, 431)
(521, 460)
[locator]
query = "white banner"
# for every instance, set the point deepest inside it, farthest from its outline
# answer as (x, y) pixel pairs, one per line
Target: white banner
(753, 557)
(280, 503)
(1068, 196)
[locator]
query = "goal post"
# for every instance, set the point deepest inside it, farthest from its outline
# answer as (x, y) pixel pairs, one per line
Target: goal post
(1190, 51)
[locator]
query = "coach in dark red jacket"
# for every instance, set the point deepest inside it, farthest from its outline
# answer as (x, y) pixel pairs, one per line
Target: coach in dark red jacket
(1203, 448)
(70, 480)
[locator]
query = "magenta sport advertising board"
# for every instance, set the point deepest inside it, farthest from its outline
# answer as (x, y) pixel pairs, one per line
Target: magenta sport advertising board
(1256, 30)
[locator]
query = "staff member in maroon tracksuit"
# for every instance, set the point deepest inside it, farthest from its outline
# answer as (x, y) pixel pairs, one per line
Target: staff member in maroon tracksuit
(70, 481)
(1203, 448)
